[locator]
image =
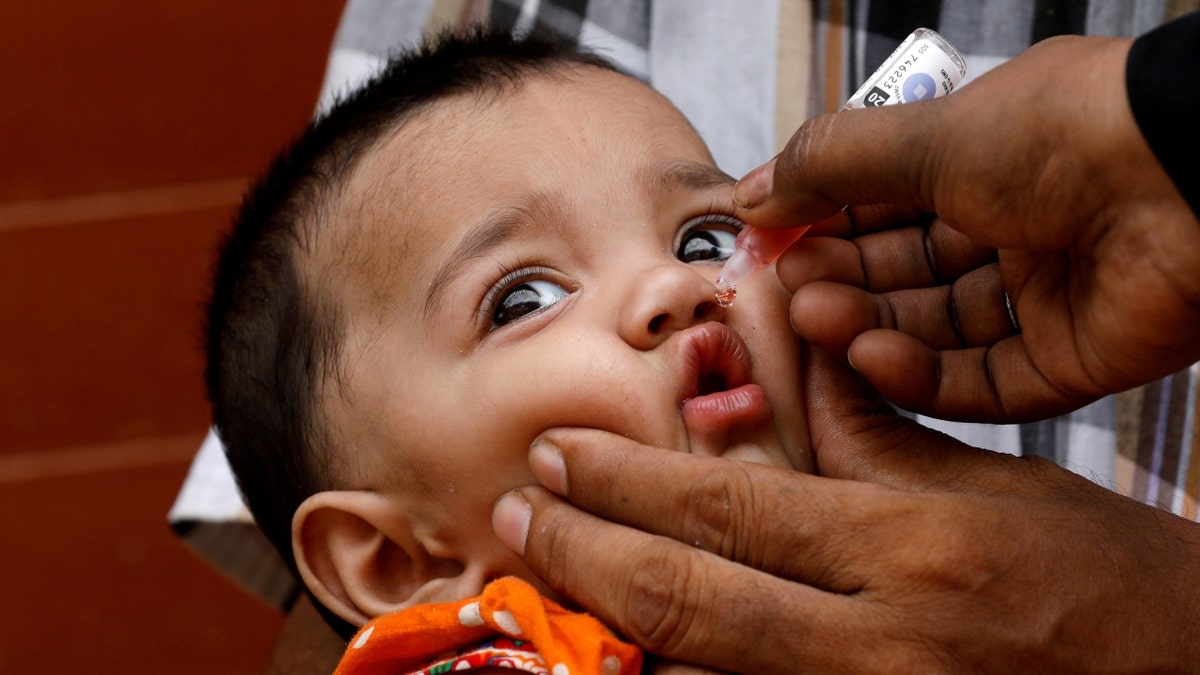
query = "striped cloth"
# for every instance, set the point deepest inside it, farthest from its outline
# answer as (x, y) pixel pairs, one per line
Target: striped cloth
(747, 73)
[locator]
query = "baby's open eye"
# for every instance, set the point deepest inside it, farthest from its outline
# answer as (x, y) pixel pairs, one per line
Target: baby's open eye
(528, 297)
(708, 238)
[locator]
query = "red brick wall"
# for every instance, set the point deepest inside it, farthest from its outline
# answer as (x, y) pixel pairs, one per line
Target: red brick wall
(127, 131)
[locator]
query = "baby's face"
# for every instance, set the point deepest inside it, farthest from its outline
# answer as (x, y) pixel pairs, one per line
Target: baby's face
(540, 258)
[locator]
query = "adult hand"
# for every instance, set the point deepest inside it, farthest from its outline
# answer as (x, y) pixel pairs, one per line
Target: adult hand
(1039, 159)
(914, 553)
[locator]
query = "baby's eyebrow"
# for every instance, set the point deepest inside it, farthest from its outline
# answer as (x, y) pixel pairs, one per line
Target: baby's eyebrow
(507, 222)
(673, 175)
(493, 230)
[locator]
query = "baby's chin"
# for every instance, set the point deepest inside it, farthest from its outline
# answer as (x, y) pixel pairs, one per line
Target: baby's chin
(753, 452)
(759, 443)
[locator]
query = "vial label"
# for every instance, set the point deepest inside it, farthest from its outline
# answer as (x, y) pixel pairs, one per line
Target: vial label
(921, 68)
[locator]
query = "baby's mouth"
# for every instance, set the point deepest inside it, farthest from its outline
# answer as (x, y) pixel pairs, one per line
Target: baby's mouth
(710, 383)
(719, 399)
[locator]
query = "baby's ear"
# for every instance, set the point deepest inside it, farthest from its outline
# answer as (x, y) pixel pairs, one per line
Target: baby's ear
(359, 554)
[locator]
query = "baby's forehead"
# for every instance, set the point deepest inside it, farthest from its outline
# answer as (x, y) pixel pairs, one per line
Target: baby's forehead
(459, 156)
(447, 136)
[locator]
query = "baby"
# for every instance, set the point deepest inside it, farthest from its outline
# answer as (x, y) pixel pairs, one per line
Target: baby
(492, 238)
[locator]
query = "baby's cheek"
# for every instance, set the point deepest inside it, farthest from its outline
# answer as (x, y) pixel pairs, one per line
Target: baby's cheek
(777, 356)
(619, 390)
(768, 329)
(777, 298)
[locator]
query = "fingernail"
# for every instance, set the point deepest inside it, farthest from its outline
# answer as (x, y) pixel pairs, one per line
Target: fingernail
(510, 520)
(850, 363)
(546, 463)
(754, 188)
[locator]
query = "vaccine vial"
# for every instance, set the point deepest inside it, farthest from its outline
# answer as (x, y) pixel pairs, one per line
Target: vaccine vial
(923, 67)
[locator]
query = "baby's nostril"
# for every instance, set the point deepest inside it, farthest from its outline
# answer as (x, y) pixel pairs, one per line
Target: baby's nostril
(705, 310)
(657, 322)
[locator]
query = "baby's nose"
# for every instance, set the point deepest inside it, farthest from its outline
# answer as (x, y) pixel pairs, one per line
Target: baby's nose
(667, 299)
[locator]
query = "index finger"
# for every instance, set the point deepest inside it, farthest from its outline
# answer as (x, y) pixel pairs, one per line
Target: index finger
(782, 522)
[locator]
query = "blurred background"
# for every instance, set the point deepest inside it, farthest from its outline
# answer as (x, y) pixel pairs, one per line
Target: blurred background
(127, 133)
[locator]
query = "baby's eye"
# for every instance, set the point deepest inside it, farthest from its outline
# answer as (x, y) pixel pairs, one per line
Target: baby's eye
(528, 297)
(708, 238)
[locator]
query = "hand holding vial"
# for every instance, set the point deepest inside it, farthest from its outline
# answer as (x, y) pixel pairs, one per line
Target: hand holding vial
(922, 68)
(1049, 204)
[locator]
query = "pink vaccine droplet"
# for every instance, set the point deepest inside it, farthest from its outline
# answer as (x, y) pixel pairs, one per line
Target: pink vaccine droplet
(725, 295)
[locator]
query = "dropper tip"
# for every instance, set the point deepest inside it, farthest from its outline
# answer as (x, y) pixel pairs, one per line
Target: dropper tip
(739, 265)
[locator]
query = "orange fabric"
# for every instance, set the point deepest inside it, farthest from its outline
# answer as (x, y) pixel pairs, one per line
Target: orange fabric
(568, 642)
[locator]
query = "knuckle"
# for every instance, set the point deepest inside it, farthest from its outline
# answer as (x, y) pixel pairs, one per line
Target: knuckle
(660, 602)
(549, 547)
(719, 508)
(808, 139)
(958, 560)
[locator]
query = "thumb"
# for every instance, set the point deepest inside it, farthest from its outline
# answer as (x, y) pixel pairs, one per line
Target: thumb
(873, 156)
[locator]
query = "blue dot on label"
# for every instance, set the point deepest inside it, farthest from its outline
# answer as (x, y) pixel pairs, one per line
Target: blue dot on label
(919, 87)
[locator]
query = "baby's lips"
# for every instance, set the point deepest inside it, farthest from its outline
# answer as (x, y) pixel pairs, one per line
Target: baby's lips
(712, 357)
(721, 413)
(718, 401)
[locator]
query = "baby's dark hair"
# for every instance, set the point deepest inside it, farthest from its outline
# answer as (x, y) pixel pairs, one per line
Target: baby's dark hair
(273, 339)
